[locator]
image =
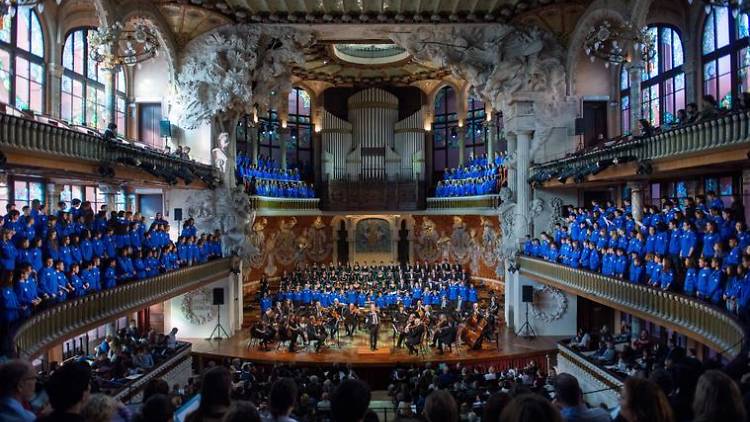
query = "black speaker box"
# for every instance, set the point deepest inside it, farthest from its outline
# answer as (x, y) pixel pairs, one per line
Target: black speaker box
(579, 126)
(178, 214)
(219, 296)
(527, 294)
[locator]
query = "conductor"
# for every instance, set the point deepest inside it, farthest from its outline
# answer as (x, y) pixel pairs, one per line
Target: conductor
(373, 326)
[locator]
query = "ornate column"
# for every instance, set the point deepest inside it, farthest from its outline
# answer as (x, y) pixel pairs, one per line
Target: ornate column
(523, 189)
(110, 79)
(511, 137)
(636, 199)
(54, 84)
(52, 196)
(461, 143)
(635, 71)
(491, 135)
(284, 134)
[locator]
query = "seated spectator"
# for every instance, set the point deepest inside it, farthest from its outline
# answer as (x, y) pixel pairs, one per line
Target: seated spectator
(530, 408)
(644, 401)
(710, 108)
(569, 399)
(68, 389)
(440, 407)
(158, 408)
(103, 408)
(282, 398)
(242, 411)
(350, 401)
(17, 387)
(216, 385)
(717, 398)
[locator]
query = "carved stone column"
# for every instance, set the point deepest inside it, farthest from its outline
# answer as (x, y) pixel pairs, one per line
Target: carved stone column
(523, 189)
(254, 143)
(511, 137)
(636, 199)
(635, 71)
(54, 75)
(52, 196)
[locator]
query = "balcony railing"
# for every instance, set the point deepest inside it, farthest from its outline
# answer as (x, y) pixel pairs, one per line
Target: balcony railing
(74, 316)
(27, 135)
(181, 361)
(598, 384)
(451, 203)
(726, 131)
(284, 204)
(701, 321)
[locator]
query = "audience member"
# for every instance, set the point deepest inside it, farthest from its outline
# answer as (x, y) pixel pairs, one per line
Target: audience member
(17, 386)
(350, 401)
(569, 398)
(644, 401)
(530, 408)
(68, 388)
(717, 398)
(216, 385)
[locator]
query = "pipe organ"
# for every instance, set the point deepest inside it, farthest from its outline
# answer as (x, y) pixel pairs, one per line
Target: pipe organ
(373, 144)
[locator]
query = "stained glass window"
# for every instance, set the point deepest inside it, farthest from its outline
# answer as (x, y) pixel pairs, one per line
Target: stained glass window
(83, 100)
(476, 132)
(299, 144)
(22, 71)
(725, 55)
(25, 191)
(663, 81)
(445, 130)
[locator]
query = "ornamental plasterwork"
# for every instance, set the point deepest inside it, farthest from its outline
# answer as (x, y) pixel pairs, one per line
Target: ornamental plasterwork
(549, 304)
(499, 60)
(462, 244)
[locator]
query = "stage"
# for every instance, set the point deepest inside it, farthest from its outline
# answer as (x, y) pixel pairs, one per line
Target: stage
(513, 350)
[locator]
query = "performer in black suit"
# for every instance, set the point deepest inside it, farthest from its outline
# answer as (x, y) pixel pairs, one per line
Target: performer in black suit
(414, 336)
(374, 326)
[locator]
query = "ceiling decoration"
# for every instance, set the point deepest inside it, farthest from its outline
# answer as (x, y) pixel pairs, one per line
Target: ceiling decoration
(188, 22)
(369, 11)
(377, 64)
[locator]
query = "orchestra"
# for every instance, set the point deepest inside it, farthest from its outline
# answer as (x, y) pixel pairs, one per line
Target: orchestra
(430, 305)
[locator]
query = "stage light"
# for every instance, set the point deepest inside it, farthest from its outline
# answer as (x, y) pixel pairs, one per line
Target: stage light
(454, 133)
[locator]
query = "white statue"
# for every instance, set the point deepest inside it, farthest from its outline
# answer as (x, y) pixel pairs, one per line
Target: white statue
(219, 154)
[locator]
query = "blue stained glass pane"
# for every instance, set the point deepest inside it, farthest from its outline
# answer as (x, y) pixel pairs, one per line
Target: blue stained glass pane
(709, 70)
(742, 26)
(725, 186)
(712, 184)
(681, 190)
(5, 32)
(679, 81)
(677, 53)
(722, 26)
(37, 42)
(625, 102)
(709, 43)
(624, 78)
(665, 48)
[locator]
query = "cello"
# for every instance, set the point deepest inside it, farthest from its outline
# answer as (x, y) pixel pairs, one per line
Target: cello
(472, 333)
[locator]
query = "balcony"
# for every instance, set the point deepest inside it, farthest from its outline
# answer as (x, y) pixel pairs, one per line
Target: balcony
(48, 327)
(698, 320)
(705, 138)
(450, 204)
(599, 385)
(175, 370)
(46, 136)
(299, 205)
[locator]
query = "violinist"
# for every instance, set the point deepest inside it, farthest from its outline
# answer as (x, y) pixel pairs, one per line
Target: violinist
(444, 333)
(292, 332)
(403, 332)
(351, 320)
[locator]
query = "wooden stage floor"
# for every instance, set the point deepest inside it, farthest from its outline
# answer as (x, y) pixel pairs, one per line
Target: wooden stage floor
(356, 351)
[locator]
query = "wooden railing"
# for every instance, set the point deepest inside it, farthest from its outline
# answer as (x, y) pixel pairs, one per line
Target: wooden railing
(726, 131)
(75, 316)
(701, 321)
(284, 204)
(477, 201)
(27, 135)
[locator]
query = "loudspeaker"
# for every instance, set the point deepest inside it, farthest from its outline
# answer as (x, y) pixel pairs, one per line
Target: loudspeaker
(219, 296)
(579, 126)
(178, 214)
(165, 129)
(527, 294)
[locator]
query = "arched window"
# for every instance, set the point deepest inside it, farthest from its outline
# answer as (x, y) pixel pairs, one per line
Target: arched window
(625, 125)
(299, 145)
(726, 57)
(663, 79)
(22, 60)
(476, 129)
(269, 138)
(82, 99)
(445, 130)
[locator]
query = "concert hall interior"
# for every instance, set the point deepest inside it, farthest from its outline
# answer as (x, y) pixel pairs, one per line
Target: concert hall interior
(374, 210)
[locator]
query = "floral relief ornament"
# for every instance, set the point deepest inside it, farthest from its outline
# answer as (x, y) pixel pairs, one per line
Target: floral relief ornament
(549, 304)
(195, 307)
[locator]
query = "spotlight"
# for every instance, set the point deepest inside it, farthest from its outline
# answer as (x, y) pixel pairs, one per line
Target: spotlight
(624, 159)
(454, 133)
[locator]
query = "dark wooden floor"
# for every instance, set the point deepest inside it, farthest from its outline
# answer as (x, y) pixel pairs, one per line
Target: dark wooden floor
(357, 351)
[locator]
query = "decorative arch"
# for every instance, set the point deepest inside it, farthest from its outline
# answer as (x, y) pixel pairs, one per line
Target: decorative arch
(145, 11)
(445, 127)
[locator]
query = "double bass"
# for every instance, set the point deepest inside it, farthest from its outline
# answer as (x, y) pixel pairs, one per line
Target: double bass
(472, 333)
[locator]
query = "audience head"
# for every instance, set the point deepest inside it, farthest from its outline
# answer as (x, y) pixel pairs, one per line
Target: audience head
(643, 401)
(494, 406)
(242, 411)
(350, 401)
(530, 408)
(69, 386)
(158, 408)
(283, 396)
(567, 391)
(440, 407)
(215, 390)
(103, 408)
(717, 398)
(17, 380)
